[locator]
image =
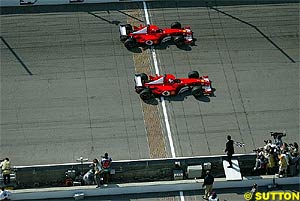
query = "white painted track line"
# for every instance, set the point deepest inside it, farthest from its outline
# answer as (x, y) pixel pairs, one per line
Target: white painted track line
(146, 13)
(166, 119)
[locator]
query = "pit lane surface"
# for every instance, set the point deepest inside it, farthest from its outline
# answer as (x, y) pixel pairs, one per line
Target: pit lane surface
(224, 195)
(79, 100)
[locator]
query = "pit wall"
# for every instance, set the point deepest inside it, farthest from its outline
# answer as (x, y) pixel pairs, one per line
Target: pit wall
(128, 171)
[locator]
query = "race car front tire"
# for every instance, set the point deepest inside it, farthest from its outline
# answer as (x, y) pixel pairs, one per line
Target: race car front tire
(197, 91)
(193, 74)
(130, 43)
(178, 40)
(146, 94)
(175, 25)
(128, 28)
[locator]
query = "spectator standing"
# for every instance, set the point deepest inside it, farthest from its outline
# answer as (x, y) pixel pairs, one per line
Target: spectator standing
(97, 172)
(4, 194)
(282, 165)
(271, 165)
(260, 165)
(295, 149)
(5, 167)
(106, 166)
(229, 150)
(208, 183)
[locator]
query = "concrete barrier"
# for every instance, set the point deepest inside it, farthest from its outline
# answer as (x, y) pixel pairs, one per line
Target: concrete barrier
(127, 170)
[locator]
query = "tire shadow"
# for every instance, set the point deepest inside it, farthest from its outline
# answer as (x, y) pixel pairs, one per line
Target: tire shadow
(179, 97)
(186, 95)
(166, 45)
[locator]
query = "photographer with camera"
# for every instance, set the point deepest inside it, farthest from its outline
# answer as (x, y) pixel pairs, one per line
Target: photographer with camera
(260, 164)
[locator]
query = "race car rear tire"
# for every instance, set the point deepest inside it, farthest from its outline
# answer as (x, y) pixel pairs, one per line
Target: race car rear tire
(130, 43)
(178, 40)
(175, 25)
(123, 38)
(193, 74)
(197, 91)
(144, 77)
(128, 28)
(146, 94)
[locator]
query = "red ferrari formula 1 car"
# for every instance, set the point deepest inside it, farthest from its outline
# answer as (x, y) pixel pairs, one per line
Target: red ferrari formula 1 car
(168, 85)
(152, 35)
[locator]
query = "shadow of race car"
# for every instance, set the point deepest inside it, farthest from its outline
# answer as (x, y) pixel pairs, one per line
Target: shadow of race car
(149, 87)
(148, 35)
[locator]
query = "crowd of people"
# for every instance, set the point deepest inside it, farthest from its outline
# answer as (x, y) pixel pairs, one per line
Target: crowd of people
(277, 157)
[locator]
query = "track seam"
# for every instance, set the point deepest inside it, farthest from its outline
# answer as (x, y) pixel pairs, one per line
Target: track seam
(239, 91)
(86, 87)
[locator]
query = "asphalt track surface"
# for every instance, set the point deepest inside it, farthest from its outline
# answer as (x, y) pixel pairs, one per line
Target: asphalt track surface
(67, 85)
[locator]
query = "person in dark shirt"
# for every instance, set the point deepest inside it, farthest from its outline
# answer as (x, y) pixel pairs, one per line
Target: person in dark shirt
(229, 150)
(208, 183)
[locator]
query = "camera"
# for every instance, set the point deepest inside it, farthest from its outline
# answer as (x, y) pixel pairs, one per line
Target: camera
(268, 141)
(278, 134)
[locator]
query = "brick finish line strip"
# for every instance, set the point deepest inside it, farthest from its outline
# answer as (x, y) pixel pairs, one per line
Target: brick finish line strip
(142, 63)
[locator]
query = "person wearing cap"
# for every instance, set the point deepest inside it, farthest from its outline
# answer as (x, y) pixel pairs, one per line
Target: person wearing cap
(208, 183)
(229, 150)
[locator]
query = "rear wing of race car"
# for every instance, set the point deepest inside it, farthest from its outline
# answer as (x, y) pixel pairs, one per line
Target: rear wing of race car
(138, 80)
(122, 30)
